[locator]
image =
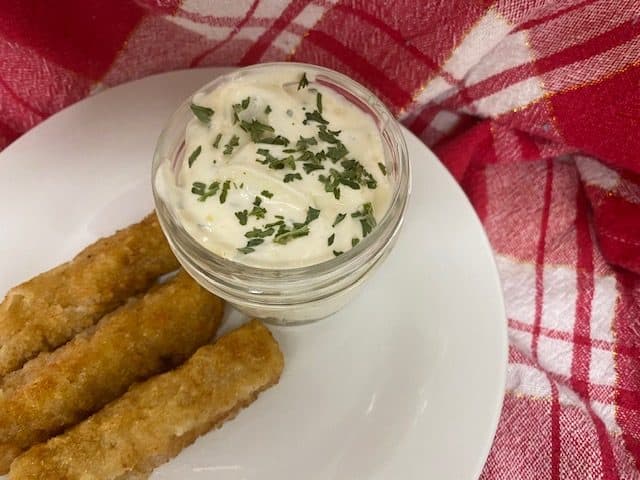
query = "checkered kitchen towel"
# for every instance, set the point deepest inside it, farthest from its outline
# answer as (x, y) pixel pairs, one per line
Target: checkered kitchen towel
(534, 106)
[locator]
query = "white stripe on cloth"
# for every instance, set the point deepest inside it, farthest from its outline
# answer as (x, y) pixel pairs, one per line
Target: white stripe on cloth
(212, 32)
(596, 174)
(511, 52)
(218, 8)
(511, 98)
(480, 40)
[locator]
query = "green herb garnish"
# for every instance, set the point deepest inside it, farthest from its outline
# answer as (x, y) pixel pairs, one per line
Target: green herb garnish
(203, 114)
(337, 152)
(274, 224)
(331, 239)
(258, 233)
(277, 140)
(310, 167)
(238, 107)
(327, 135)
(242, 217)
(194, 155)
(288, 235)
(258, 211)
(339, 218)
(312, 214)
(303, 81)
(337, 254)
(285, 235)
(266, 193)
(383, 169)
(331, 183)
(307, 156)
(367, 220)
(255, 129)
(268, 110)
(304, 142)
(290, 177)
(217, 141)
(204, 192)
(355, 171)
(354, 242)
(255, 242)
(225, 188)
(314, 117)
(353, 176)
(319, 102)
(234, 142)
(275, 163)
(246, 250)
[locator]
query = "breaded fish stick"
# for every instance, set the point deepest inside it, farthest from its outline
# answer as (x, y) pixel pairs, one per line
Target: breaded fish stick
(140, 339)
(48, 310)
(156, 419)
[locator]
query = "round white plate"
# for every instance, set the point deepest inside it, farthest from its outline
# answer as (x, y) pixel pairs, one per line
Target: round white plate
(404, 383)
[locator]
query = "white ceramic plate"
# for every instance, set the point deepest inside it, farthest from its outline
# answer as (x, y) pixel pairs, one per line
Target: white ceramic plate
(404, 383)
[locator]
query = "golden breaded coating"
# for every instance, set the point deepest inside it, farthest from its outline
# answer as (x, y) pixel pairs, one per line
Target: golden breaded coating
(156, 419)
(140, 339)
(48, 310)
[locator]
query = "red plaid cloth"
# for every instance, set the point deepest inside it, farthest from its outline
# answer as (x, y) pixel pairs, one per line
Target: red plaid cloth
(534, 105)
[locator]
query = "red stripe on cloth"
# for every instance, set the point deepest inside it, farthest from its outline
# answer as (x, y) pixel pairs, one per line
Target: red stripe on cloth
(585, 284)
(528, 146)
(589, 119)
(228, 38)
(542, 239)
(83, 36)
(627, 379)
(256, 51)
(21, 101)
(555, 431)
(7, 134)
(474, 145)
(606, 450)
(396, 35)
(628, 399)
(617, 225)
(552, 16)
(386, 86)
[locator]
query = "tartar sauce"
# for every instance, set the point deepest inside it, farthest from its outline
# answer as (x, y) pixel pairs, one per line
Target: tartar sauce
(279, 171)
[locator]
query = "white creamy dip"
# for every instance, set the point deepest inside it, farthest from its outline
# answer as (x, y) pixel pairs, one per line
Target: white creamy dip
(278, 172)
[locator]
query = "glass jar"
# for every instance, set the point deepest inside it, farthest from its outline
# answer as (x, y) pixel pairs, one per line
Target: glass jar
(291, 295)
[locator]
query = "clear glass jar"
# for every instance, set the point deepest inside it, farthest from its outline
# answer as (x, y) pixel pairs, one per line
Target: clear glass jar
(293, 295)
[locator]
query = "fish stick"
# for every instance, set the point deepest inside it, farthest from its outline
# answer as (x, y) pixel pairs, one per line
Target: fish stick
(48, 310)
(144, 337)
(155, 420)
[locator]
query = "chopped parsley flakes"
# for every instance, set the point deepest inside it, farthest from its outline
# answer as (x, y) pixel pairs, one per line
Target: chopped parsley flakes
(233, 142)
(194, 155)
(203, 114)
(303, 81)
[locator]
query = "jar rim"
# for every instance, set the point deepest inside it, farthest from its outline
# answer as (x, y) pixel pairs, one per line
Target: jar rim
(347, 262)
